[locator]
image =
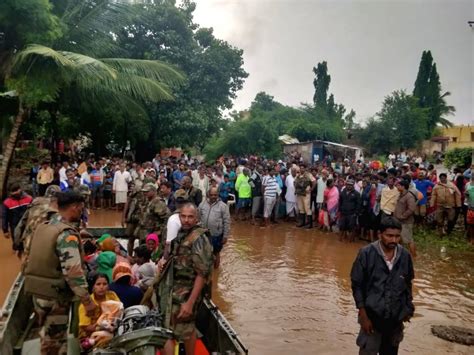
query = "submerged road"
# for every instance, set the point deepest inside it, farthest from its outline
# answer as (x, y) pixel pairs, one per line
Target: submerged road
(287, 291)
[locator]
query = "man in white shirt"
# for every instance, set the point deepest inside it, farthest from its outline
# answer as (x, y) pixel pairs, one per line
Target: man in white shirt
(270, 192)
(290, 197)
(321, 186)
(62, 171)
(120, 186)
(156, 162)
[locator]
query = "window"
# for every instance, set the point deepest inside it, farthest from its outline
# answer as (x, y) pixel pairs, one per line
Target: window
(455, 139)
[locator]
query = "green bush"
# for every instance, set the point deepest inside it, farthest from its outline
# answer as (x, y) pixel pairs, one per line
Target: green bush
(458, 157)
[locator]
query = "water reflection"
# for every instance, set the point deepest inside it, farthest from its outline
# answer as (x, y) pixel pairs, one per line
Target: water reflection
(289, 290)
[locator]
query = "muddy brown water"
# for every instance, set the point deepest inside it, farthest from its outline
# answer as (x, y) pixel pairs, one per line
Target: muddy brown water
(287, 291)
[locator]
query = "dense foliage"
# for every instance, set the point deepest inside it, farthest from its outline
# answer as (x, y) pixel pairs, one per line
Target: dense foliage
(406, 120)
(256, 131)
(428, 92)
(148, 116)
(458, 157)
(400, 124)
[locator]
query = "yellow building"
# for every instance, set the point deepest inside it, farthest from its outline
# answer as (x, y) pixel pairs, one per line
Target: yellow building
(460, 136)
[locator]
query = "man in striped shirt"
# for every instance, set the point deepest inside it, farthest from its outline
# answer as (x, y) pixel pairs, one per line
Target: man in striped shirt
(270, 192)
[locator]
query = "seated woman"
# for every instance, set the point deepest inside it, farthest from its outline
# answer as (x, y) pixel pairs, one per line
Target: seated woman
(106, 261)
(113, 245)
(129, 295)
(100, 293)
(145, 269)
(153, 245)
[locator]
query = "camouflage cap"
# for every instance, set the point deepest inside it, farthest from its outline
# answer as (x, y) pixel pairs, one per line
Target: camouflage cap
(181, 194)
(149, 187)
(83, 190)
(52, 190)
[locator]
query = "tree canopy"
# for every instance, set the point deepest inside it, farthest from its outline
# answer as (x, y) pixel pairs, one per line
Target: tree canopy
(153, 33)
(429, 94)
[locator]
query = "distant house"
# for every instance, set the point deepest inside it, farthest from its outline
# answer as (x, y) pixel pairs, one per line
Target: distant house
(459, 136)
(318, 150)
(452, 137)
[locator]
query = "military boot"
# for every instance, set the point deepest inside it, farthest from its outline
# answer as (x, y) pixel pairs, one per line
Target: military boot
(309, 220)
(301, 217)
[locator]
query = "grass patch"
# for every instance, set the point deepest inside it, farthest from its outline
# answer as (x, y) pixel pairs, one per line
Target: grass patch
(428, 238)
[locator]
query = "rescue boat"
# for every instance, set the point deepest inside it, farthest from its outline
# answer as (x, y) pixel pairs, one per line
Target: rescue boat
(19, 333)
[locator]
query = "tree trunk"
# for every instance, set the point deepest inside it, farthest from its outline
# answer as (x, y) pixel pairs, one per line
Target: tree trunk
(10, 148)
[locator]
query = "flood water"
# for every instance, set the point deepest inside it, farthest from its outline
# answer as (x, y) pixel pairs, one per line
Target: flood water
(287, 291)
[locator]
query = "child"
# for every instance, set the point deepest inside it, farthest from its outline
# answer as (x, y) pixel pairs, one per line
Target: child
(225, 188)
(100, 293)
(145, 271)
(90, 255)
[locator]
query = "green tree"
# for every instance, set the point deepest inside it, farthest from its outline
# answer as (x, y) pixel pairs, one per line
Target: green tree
(401, 123)
(264, 102)
(349, 122)
(436, 103)
(423, 78)
(321, 85)
(23, 22)
(458, 157)
(40, 74)
(214, 69)
(429, 93)
(375, 137)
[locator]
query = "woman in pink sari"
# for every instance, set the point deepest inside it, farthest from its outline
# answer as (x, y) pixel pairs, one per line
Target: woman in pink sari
(331, 201)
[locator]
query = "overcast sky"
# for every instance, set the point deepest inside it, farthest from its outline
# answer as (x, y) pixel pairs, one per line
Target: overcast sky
(372, 47)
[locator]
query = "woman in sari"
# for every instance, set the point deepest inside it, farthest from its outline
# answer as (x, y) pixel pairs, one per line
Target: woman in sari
(331, 200)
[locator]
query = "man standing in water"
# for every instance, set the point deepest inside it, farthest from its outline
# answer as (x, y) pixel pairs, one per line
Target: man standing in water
(381, 278)
(120, 186)
(188, 272)
(13, 209)
(54, 274)
(214, 215)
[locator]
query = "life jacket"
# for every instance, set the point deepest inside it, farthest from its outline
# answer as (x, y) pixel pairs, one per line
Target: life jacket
(43, 274)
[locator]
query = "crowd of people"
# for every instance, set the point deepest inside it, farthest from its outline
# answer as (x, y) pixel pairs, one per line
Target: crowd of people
(179, 209)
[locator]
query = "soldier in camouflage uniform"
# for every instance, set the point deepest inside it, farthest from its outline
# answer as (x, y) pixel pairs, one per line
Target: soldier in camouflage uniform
(154, 214)
(54, 274)
(180, 289)
(131, 215)
(39, 211)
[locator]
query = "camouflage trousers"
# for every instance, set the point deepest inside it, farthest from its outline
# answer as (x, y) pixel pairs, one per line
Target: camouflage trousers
(53, 317)
(182, 329)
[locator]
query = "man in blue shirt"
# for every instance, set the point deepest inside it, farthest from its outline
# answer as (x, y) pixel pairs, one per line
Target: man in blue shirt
(177, 176)
(422, 184)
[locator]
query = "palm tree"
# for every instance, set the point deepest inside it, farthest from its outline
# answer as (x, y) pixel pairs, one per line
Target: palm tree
(40, 74)
(439, 111)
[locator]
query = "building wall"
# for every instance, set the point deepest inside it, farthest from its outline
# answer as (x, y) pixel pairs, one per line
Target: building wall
(460, 136)
(428, 147)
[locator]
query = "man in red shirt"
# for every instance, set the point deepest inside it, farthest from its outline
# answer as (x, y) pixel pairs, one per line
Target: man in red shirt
(14, 207)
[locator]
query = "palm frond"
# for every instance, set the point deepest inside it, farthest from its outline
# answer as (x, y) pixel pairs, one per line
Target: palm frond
(31, 53)
(92, 26)
(153, 69)
(90, 67)
(39, 59)
(134, 86)
(105, 99)
(445, 123)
